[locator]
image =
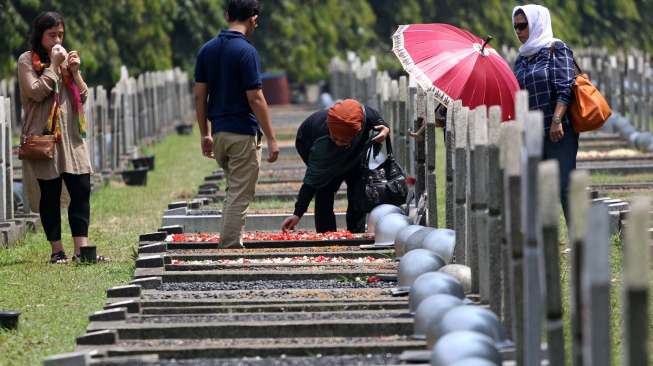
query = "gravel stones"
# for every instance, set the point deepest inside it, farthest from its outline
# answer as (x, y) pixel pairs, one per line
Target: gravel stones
(277, 295)
(266, 317)
(317, 360)
(235, 342)
(273, 285)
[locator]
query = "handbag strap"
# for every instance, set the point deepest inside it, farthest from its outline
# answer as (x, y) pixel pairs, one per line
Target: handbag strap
(578, 70)
(370, 143)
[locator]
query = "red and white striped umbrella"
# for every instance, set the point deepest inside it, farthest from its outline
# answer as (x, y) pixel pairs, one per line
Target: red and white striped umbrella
(455, 64)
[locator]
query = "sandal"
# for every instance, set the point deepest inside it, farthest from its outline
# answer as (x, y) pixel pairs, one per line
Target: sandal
(58, 258)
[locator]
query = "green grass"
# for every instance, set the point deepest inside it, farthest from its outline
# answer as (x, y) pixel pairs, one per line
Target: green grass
(55, 300)
(441, 178)
(616, 270)
(601, 178)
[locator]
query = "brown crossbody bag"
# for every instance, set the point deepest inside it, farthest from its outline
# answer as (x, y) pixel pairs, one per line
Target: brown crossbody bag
(38, 147)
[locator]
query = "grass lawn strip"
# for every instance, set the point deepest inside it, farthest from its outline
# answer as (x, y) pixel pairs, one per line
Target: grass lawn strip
(55, 300)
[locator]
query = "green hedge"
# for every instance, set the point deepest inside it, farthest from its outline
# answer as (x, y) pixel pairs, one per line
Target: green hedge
(299, 37)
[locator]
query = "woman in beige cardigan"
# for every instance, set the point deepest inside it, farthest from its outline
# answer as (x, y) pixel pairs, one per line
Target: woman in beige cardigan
(52, 94)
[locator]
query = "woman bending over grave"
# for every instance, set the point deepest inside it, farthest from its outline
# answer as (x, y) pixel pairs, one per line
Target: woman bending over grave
(331, 142)
(545, 68)
(52, 93)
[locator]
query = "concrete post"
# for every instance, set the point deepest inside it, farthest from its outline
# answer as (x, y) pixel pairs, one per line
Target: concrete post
(549, 215)
(460, 181)
(449, 151)
(420, 126)
(479, 252)
(636, 269)
(532, 286)
(578, 209)
(4, 203)
(495, 240)
(412, 115)
(595, 280)
(402, 119)
(511, 146)
(430, 149)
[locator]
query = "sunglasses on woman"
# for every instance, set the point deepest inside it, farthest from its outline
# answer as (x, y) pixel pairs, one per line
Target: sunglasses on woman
(520, 26)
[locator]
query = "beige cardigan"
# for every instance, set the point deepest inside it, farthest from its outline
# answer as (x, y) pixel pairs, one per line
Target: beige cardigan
(36, 96)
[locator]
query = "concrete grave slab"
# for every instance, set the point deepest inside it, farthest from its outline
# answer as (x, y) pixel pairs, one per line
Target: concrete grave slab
(68, 359)
(147, 283)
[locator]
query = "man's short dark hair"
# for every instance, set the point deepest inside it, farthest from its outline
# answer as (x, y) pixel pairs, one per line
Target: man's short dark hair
(241, 10)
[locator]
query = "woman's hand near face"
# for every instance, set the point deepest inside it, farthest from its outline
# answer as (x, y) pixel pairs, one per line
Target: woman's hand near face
(382, 135)
(73, 61)
(58, 56)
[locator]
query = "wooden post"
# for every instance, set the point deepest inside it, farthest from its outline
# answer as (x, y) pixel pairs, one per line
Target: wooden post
(460, 181)
(430, 149)
(636, 269)
(511, 146)
(578, 209)
(549, 202)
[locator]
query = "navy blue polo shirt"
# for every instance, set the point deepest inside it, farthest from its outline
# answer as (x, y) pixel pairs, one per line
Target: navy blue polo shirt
(230, 66)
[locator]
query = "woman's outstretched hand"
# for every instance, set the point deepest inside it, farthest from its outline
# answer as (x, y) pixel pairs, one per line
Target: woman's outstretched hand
(290, 222)
(382, 135)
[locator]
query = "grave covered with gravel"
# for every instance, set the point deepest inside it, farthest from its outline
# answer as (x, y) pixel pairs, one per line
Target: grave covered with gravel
(280, 294)
(266, 317)
(273, 285)
(316, 360)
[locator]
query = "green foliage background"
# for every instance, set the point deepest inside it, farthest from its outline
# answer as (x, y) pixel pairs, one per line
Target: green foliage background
(298, 37)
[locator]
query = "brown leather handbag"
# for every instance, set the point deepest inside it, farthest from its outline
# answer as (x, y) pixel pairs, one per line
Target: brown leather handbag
(37, 147)
(588, 110)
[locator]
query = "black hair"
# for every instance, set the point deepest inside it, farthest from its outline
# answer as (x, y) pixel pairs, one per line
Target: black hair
(241, 10)
(42, 23)
(519, 11)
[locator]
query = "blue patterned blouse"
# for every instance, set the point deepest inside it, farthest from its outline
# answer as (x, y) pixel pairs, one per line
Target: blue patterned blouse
(548, 78)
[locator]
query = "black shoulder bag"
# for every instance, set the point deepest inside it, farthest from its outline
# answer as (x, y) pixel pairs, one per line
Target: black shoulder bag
(385, 184)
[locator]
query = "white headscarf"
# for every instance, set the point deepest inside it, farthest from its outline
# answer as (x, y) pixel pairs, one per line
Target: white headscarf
(540, 32)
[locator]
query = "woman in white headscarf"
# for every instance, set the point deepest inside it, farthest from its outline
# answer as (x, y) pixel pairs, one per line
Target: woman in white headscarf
(545, 68)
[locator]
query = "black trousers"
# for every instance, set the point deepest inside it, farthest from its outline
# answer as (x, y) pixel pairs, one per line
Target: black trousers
(564, 151)
(325, 219)
(79, 210)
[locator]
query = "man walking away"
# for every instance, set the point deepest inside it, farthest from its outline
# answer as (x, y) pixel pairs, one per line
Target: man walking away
(228, 93)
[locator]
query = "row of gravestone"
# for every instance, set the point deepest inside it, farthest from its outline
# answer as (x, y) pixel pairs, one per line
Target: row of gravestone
(502, 201)
(135, 112)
